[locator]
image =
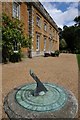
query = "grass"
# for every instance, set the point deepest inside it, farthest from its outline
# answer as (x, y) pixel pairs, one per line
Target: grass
(78, 59)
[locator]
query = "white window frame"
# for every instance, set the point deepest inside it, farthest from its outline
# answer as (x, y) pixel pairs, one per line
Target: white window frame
(50, 45)
(45, 26)
(37, 42)
(38, 20)
(28, 20)
(44, 43)
(50, 36)
(16, 12)
(15, 49)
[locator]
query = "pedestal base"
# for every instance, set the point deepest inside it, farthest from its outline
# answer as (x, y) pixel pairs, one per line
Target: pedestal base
(18, 105)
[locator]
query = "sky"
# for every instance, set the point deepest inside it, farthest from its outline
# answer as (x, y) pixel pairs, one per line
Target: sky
(63, 13)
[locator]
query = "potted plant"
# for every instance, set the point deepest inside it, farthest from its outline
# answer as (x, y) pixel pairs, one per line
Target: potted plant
(57, 53)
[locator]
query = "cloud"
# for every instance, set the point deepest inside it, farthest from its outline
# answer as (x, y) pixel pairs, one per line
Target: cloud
(59, 1)
(71, 23)
(62, 17)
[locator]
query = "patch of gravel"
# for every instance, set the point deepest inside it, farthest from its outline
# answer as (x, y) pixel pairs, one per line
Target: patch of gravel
(62, 70)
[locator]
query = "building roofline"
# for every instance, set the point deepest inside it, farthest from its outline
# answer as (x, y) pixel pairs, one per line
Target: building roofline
(44, 12)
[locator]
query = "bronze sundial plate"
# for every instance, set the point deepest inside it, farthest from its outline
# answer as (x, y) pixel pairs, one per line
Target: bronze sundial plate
(57, 102)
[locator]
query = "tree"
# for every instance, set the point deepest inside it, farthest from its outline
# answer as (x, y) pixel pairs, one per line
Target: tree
(77, 34)
(62, 44)
(72, 36)
(69, 36)
(77, 20)
(60, 33)
(12, 38)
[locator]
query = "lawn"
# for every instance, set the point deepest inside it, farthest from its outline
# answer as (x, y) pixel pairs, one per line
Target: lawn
(78, 59)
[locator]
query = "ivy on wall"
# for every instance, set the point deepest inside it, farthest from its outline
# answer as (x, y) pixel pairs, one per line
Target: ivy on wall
(13, 38)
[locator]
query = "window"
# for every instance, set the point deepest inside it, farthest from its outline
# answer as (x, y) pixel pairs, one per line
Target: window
(38, 42)
(45, 26)
(50, 28)
(16, 10)
(15, 49)
(53, 32)
(50, 44)
(44, 43)
(28, 19)
(38, 21)
(50, 36)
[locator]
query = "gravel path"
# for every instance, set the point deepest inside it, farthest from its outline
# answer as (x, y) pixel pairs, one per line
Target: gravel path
(62, 70)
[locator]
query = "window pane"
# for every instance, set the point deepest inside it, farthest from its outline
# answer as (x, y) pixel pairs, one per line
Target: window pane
(38, 21)
(16, 10)
(15, 6)
(45, 27)
(37, 42)
(44, 44)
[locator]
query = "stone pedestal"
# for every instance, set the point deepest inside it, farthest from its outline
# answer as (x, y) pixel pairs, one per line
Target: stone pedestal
(56, 103)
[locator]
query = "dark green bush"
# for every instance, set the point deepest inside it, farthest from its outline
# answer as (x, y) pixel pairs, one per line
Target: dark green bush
(57, 53)
(15, 57)
(77, 51)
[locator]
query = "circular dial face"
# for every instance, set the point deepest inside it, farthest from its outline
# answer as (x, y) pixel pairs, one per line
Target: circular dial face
(54, 99)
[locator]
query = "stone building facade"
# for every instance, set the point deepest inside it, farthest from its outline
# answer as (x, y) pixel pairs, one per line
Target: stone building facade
(37, 23)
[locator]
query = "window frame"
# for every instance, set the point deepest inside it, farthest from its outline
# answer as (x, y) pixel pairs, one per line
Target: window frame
(38, 20)
(37, 42)
(45, 39)
(16, 12)
(15, 47)
(50, 28)
(45, 26)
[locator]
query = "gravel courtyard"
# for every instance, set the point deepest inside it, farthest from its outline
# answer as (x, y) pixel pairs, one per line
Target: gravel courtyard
(62, 70)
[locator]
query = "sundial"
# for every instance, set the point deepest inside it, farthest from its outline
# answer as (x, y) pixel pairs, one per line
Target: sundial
(40, 100)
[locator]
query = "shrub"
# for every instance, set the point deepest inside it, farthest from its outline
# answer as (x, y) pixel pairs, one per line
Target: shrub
(15, 57)
(57, 53)
(13, 39)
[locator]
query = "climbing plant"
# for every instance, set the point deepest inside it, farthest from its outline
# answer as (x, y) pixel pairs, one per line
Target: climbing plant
(13, 38)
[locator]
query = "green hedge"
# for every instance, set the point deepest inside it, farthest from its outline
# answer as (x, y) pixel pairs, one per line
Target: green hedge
(78, 59)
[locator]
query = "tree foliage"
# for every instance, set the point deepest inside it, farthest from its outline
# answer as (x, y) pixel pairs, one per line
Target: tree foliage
(77, 20)
(69, 36)
(72, 36)
(12, 37)
(62, 44)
